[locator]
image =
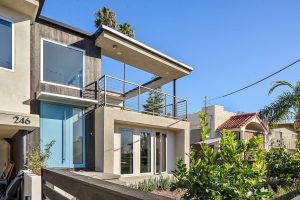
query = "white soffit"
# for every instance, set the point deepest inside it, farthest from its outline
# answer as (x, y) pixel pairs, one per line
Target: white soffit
(127, 50)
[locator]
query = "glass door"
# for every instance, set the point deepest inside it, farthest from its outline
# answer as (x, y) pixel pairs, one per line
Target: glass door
(160, 153)
(65, 125)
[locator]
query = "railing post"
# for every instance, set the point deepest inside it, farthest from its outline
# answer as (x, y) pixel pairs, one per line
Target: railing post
(105, 90)
(165, 105)
(139, 99)
(186, 107)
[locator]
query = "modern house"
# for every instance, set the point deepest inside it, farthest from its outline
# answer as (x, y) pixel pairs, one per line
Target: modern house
(53, 89)
(245, 125)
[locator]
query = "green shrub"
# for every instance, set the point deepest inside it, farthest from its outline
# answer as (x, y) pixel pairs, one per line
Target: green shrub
(36, 159)
(223, 175)
(283, 168)
(160, 183)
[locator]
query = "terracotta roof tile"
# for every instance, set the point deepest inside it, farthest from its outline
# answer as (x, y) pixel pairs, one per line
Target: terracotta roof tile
(237, 121)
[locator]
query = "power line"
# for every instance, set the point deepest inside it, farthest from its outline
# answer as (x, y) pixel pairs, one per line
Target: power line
(261, 80)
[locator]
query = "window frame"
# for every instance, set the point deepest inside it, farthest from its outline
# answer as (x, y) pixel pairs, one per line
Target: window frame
(12, 45)
(133, 151)
(67, 46)
(152, 156)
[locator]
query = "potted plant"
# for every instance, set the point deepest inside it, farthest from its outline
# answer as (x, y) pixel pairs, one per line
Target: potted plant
(36, 160)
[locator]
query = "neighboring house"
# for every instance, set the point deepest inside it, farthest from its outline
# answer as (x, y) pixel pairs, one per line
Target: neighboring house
(216, 115)
(53, 89)
(284, 135)
(244, 125)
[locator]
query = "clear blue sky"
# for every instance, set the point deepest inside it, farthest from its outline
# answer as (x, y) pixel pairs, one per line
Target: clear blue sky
(228, 43)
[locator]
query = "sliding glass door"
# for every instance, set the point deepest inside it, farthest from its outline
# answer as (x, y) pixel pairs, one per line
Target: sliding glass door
(126, 151)
(160, 152)
(145, 152)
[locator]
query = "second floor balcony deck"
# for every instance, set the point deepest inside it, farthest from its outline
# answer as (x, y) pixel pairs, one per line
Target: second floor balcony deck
(122, 94)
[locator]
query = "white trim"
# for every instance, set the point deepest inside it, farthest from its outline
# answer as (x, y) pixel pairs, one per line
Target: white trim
(66, 97)
(42, 64)
(12, 45)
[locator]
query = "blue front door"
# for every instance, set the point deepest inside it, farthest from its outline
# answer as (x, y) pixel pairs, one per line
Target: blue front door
(65, 125)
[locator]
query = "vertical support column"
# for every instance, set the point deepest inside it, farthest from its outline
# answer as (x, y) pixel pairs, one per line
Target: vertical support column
(124, 84)
(139, 99)
(165, 105)
(174, 99)
(105, 90)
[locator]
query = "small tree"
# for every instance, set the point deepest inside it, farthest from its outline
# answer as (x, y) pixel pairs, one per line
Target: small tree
(36, 159)
(154, 103)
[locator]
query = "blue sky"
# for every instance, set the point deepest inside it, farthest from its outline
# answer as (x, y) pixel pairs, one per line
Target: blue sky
(228, 43)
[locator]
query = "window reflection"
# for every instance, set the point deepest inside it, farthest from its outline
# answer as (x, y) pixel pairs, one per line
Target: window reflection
(145, 147)
(126, 151)
(62, 65)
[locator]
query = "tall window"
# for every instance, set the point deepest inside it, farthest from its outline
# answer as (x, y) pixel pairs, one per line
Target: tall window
(62, 65)
(78, 134)
(126, 151)
(145, 146)
(6, 44)
(161, 152)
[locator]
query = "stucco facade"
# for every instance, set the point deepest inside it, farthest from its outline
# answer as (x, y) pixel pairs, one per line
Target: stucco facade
(16, 82)
(108, 122)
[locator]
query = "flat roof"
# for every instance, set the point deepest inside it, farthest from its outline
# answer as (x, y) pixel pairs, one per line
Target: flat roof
(135, 42)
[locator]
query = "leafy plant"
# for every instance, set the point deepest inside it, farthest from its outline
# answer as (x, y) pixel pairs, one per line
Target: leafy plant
(160, 183)
(36, 159)
(286, 106)
(223, 174)
(154, 103)
(107, 17)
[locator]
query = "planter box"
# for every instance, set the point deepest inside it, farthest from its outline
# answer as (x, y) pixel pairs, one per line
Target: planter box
(32, 186)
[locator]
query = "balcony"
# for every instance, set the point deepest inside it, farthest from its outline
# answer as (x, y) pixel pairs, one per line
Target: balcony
(121, 94)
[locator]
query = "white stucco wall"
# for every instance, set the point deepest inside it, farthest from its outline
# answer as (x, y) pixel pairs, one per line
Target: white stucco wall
(15, 85)
(107, 138)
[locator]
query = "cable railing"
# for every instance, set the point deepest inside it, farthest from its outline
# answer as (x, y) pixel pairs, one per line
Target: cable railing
(115, 92)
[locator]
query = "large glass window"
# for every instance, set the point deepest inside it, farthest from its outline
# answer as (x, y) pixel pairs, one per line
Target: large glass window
(62, 65)
(6, 48)
(161, 152)
(126, 151)
(78, 134)
(145, 147)
(164, 153)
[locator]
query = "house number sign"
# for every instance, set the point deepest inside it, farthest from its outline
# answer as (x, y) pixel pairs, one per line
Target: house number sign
(21, 120)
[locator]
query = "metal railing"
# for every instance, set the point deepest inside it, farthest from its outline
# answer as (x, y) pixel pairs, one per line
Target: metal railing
(125, 95)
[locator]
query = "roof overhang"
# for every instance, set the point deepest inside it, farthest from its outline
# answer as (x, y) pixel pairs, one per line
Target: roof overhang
(11, 123)
(26, 7)
(58, 98)
(127, 50)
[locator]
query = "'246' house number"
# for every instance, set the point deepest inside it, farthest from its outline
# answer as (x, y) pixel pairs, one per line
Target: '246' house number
(21, 120)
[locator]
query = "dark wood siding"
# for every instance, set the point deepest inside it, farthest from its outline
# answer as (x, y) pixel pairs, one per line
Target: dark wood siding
(47, 30)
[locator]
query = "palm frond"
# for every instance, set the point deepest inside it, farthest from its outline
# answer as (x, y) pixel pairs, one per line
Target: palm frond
(280, 109)
(279, 83)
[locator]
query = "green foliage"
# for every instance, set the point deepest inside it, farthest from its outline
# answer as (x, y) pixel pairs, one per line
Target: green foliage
(283, 168)
(204, 131)
(107, 17)
(154, 103)
(161, 183)
(126, 29)
(286, 106)
(223, 174)
(36, 159)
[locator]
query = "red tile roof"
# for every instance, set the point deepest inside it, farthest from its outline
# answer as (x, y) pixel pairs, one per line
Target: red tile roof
(237, 121)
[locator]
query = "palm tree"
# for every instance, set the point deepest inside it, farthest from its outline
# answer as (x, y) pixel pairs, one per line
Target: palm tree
(285, 107)
(106, 17)
(126, 29)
